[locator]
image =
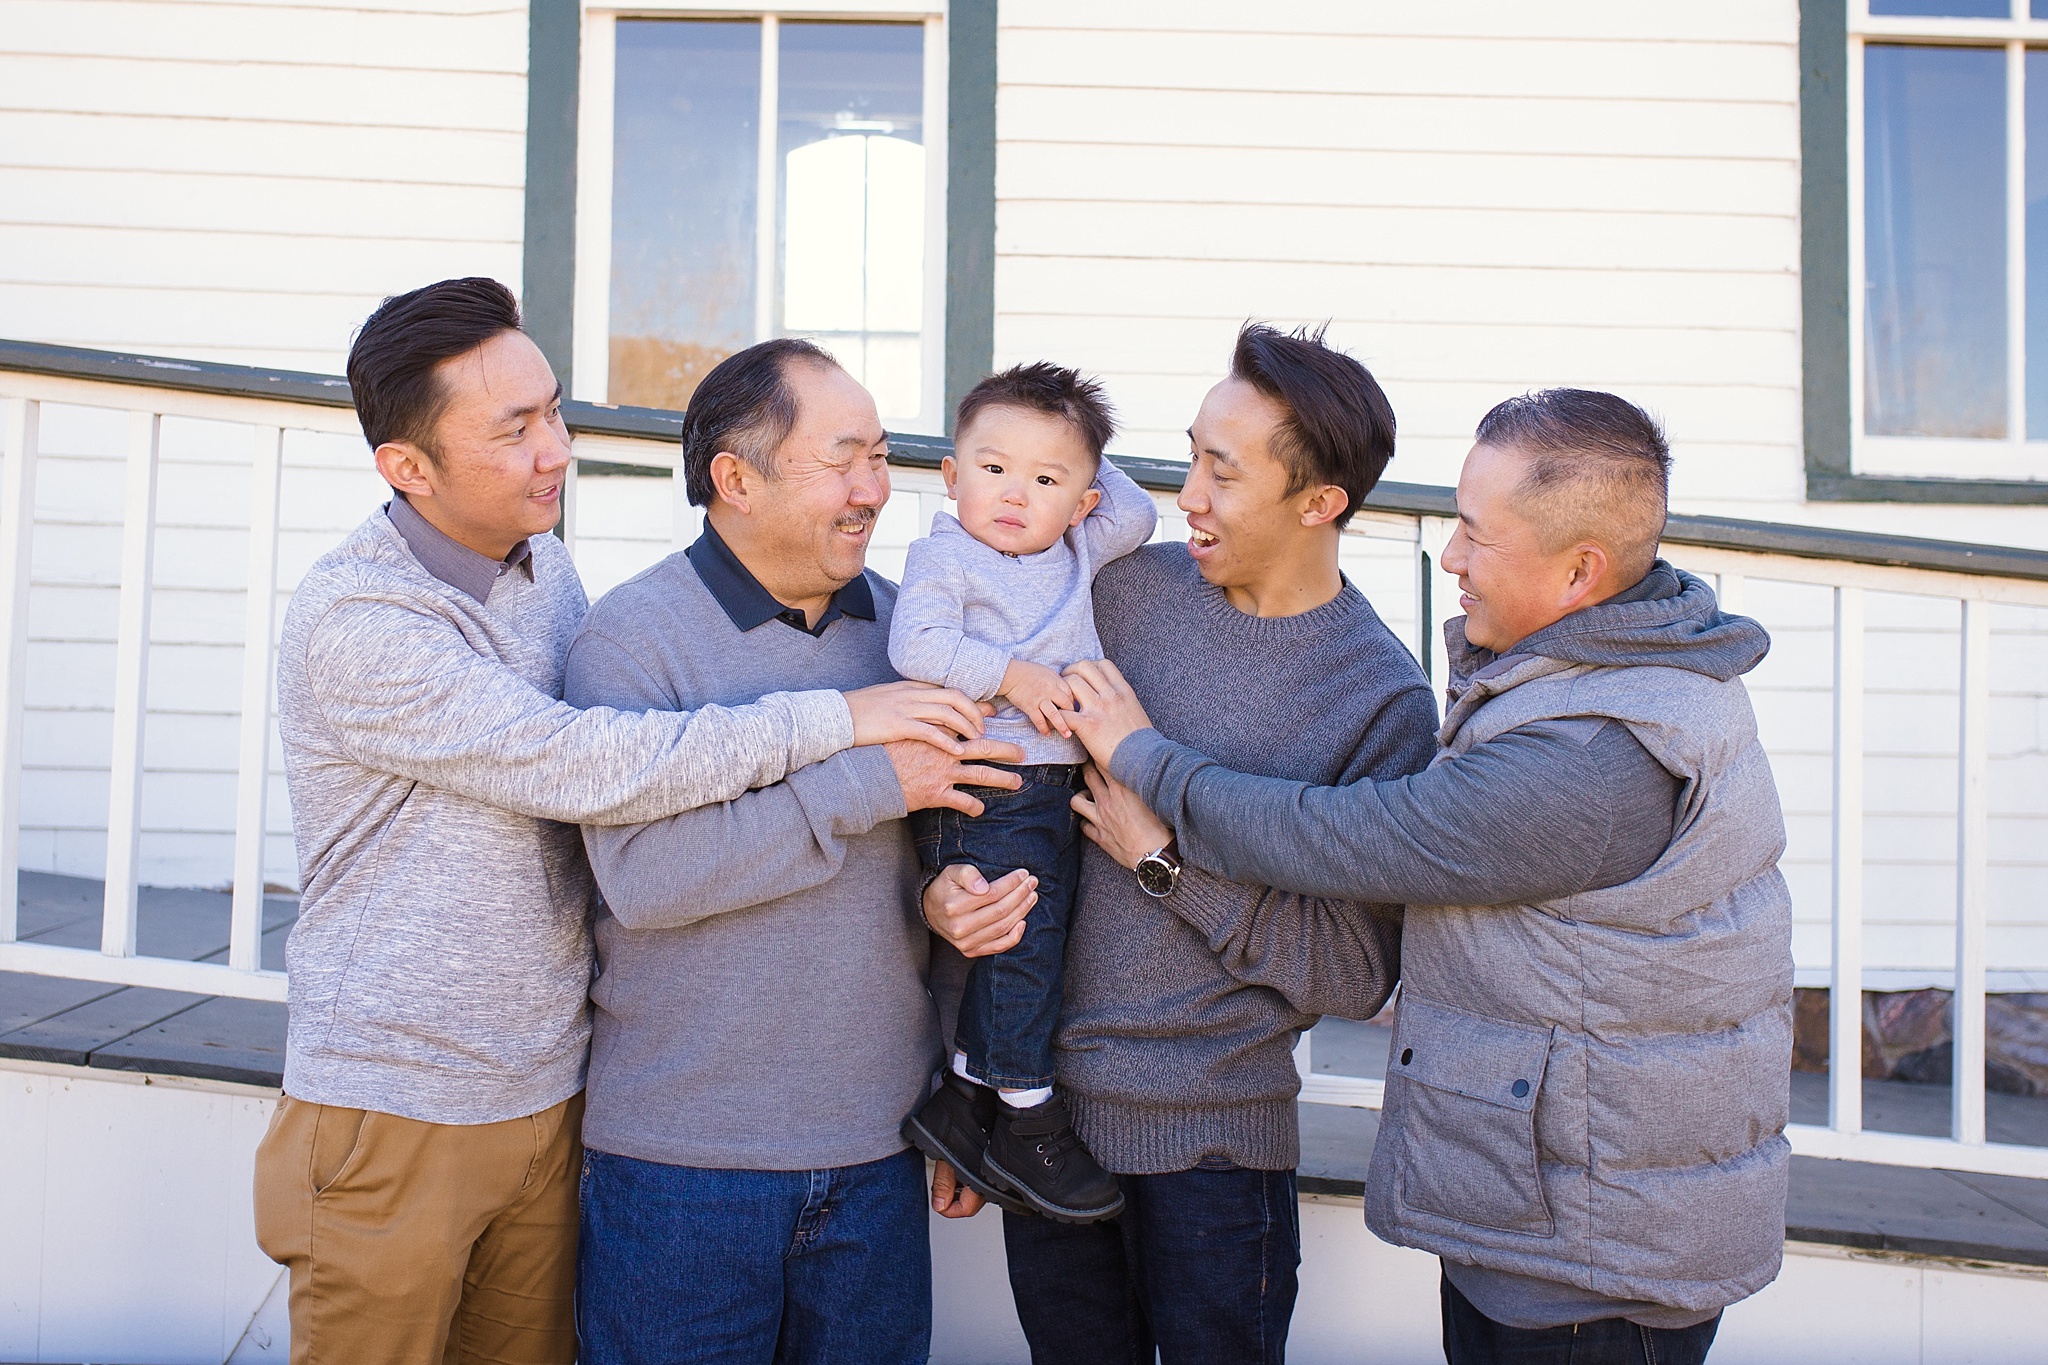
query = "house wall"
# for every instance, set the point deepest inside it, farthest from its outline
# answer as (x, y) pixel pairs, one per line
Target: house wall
(1480, 199)
(127, 1233)
(243, 181)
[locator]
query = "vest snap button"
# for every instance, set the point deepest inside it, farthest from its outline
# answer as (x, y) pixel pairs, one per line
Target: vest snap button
(1520, 1088)
(1407, 1055)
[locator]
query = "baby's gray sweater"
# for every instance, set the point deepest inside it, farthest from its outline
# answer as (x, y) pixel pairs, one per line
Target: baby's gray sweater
(1177, 1037)
(440, 965)
(965, 610)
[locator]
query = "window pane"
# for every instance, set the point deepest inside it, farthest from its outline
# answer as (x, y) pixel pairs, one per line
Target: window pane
(2037, 243)
(1934, 241)
(851, 114)
(683, 200)
(1947, 9)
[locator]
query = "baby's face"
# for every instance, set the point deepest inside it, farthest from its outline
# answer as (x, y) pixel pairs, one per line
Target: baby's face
(1022, 479)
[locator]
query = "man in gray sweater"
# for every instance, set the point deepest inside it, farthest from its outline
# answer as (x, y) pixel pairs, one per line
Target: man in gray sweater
(762, 1019)
(419, 1174)
(1589, 1079)
(1187, 990)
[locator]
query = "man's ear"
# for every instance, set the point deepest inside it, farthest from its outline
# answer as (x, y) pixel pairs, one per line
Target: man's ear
(730, 480)
(949, 470)
(1588, 570)
(1323, 505)
(406, 468)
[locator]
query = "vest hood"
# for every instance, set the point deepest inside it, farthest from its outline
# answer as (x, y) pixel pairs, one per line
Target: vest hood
(1671, 618)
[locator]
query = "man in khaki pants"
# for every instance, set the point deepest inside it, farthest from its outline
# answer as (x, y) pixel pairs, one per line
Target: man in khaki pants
(419, 1175)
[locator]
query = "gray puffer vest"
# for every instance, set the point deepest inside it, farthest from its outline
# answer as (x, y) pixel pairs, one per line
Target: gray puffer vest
(1594, 1090)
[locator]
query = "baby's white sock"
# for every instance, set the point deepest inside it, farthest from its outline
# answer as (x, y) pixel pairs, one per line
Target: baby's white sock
(1026, 1099)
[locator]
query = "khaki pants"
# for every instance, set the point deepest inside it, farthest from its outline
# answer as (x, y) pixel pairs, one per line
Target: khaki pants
(416, 1243)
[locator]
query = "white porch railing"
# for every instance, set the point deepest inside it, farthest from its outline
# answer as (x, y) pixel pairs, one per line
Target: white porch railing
(1395, 544)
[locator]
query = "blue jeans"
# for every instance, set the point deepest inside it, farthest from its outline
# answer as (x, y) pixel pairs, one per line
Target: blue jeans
(1472, 1338)
(1012, 1004)
(1200, 1266)
(681, 1264)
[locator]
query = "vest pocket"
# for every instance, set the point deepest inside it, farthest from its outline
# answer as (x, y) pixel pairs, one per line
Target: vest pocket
(1468, 1116)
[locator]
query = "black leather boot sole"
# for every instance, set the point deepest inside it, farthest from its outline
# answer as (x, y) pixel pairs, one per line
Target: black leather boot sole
(953, 1127)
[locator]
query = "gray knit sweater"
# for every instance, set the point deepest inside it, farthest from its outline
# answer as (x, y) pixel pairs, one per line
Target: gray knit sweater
(441, 960)
(761, 1000)
(1177, 1038)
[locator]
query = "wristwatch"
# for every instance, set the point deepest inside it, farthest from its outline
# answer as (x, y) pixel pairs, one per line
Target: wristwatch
(1159, 871)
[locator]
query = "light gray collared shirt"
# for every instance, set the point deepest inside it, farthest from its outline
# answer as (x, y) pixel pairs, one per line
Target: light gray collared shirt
(448, 559)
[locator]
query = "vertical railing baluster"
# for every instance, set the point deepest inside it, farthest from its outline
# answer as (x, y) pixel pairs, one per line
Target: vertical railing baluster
(1732, 590)
(131, 688)
(1973, 828)
(20, 422)
(1438, 598)
(1845, 993)
(252, 774)
(566, 528)
(683, 529)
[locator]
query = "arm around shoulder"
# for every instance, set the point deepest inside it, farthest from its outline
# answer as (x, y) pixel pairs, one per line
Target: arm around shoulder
(404, 691)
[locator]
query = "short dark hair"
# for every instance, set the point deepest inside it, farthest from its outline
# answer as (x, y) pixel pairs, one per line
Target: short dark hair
(1599, 467)
(1048, 388)
(391, 366)
(1339, 427)
(744, 405)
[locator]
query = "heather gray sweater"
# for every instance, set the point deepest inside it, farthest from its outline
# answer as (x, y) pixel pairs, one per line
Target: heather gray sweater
(441, 959)
(967, 610)
(761, 999)
(1177, 1038)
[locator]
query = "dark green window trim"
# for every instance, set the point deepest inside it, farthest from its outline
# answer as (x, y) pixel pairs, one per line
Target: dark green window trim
(970, 197)
(548, 286)
(1825, 286)
(554, 55)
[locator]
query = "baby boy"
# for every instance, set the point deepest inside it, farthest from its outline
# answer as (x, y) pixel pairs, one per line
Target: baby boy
(996, 602)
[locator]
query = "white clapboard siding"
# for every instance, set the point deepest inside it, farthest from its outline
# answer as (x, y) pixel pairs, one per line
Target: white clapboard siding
(243, 182)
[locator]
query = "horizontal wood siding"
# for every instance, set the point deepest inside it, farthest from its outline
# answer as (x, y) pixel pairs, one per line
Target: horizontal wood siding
(1480, 199)
(243, 182)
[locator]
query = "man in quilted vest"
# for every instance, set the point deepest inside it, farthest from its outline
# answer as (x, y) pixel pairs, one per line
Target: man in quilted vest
(1589, 1079)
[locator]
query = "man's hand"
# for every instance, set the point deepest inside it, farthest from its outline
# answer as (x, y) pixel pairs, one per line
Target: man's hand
(951, 1198)
(1106, 711)
(939, 716)
(932, 776)
(1041, 694)
(1120, 824)
(980, 917)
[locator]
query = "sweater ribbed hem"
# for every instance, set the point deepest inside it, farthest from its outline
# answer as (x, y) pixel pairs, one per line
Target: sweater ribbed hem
(1135, 1139)
(430, 1094)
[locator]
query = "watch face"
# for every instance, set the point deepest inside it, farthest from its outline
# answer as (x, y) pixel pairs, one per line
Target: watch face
(1155, 876)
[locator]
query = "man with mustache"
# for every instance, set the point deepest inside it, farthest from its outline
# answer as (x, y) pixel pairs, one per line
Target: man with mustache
(762, 1018)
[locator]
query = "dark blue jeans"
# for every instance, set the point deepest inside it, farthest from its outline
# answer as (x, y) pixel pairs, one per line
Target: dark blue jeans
(679, 1264)
(1472, 1338)
(1012, 1004)
(1200, 1266)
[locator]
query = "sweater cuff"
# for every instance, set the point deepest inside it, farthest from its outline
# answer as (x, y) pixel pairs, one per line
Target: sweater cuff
(1140, 759)
(1207, 902)
(823, 725)
(877, 795)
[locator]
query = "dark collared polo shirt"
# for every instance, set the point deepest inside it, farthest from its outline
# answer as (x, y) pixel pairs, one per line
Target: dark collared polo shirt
(447, 559)
(735, 588)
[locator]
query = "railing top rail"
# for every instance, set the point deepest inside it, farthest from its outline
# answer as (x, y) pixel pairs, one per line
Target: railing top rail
(1409, 499)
